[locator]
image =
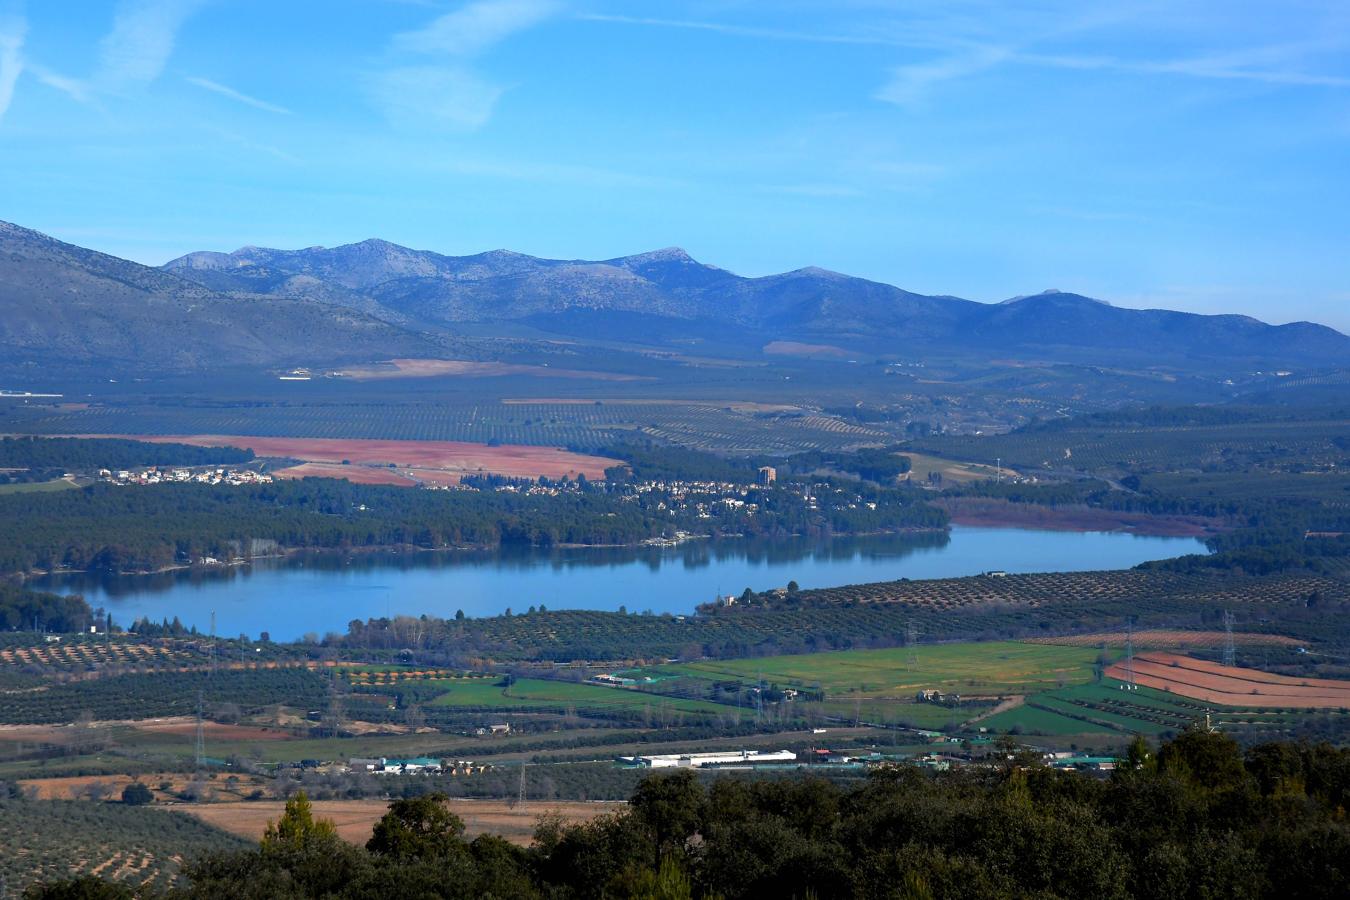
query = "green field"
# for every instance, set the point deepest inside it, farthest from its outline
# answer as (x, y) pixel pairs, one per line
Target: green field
(539, 694)
(1033, 720)
(996, 667)
(33, 487)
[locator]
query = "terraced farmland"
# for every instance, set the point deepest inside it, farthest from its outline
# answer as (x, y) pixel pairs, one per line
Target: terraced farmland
(1168, 639)
(727, 427)
(1092, 447)
(137, 846)
(87, 655)
(1140, 588)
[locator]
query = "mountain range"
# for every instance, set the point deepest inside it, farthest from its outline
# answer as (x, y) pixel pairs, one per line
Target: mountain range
(377, 300)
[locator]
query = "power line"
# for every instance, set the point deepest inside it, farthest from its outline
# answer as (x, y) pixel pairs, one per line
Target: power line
(201, 733)
(1129, 655)
(1229, 648)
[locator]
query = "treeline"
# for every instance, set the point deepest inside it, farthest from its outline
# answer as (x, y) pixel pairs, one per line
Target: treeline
(1270, 530)
(882, 465)
(24, 610)
(1174, 416)
(667, 463)
(118, 529)
(656, 463)
(90, 454)
(1197, 819)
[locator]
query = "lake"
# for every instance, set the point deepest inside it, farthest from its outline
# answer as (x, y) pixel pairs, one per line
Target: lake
(318, 593)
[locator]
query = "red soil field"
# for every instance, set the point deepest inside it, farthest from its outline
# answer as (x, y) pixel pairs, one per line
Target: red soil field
(1232, 686)
(454, 457)
(216, 731)
(432, 368)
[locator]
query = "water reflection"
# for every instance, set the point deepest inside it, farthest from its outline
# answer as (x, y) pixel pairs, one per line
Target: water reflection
(324, 591)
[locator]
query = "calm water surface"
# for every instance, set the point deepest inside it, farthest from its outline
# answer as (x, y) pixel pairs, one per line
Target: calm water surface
(323, 592)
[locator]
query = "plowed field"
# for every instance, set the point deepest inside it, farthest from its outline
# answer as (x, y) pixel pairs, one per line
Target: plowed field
(1232, 686)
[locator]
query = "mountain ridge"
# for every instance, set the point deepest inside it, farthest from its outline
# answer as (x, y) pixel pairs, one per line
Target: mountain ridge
(60, 303)
(809, 303)
(374, 299)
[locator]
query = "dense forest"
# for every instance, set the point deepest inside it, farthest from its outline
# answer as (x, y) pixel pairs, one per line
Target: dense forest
(656, 462)
(112, 528)
(22, 609)
(90, 454)
(1198, 818)
(1273, 522)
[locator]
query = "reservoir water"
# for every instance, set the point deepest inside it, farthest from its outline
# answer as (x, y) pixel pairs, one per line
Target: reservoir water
(318, 593)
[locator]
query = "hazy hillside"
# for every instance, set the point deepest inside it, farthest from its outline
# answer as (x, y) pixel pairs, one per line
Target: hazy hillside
(650, 297)
(63, 304)
(376, 300)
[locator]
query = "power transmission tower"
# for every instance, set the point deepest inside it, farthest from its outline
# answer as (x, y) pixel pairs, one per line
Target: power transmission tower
(911, 641)
(1229, 649)
(1129, 655)
(213, 642)
(200, 753)
(520, 797)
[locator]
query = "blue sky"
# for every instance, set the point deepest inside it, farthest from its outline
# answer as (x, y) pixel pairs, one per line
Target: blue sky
(1188, 155)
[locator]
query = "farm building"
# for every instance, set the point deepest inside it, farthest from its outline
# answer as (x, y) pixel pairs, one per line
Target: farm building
(699, 760)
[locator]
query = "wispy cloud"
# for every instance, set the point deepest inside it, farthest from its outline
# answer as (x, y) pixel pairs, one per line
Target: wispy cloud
(239, 96)
(910, 84)
(255, 146)
(132, 54)
(142, 38)
(444, 90)
(12, 30)
(1291, 64)
(771, 34)
(445, 95)
(476, 27)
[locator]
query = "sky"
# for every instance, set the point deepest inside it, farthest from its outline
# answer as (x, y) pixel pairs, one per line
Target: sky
(1189, 155)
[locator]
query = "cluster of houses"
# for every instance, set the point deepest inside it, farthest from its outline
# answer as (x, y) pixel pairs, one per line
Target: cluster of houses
(184, 476)
(417, 765)
(725, 759)
(939, 760)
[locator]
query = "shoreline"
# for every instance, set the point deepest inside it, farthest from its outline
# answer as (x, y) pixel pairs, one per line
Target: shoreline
(287, 552)
(989, 513)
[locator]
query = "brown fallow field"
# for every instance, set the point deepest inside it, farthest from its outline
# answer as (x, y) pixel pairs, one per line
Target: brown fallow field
(355, 819)
(436, 461)
(1232, 686)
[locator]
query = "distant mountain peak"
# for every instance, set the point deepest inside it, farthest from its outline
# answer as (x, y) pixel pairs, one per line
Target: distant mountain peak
(1053, 294)
(816, 272)
(665, 254)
